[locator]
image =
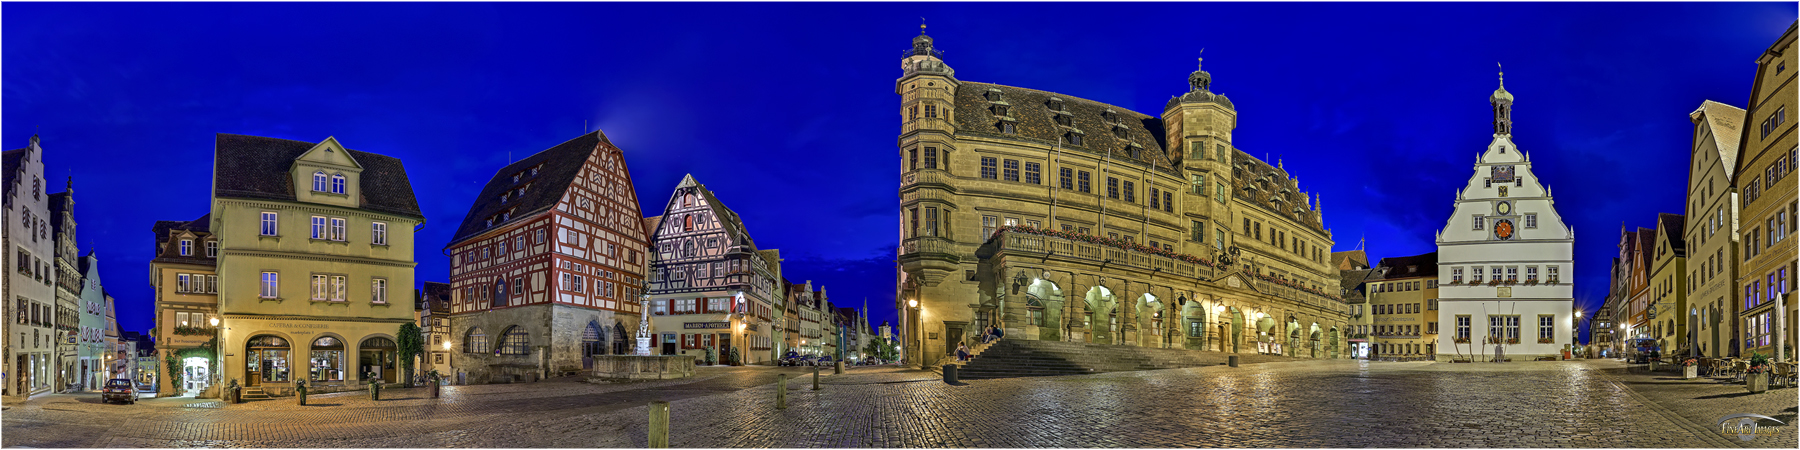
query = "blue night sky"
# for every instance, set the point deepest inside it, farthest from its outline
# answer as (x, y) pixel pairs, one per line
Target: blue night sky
(788, 111)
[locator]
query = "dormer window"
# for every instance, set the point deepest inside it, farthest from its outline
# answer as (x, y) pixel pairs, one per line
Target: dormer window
(319, 181)
(1000, 110)
(1056, 104)
(1072, 138)
(517, 176)
(337, 183)
(504, 195)
(1065, 120)
(1119, 131)
(995, 96)
(187, 247)
(1006, 127)
(212, 248)
(534, 170)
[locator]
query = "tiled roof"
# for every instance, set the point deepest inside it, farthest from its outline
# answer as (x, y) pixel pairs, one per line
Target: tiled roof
(1351, 281)
(163, 228)
(258, 167)
(12, 159)
(1341, 259)
(650, 224)
(58, 202)
(1423, 265)
(1033, 119)
(561, 164)
(1673, 225)
(437, 295)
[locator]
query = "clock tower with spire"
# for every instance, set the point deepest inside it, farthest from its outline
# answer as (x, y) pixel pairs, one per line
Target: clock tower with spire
(1505, 259)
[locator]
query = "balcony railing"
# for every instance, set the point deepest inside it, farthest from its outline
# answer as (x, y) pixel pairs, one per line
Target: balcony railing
(924, 176)
(929, 244)
(1097, 253)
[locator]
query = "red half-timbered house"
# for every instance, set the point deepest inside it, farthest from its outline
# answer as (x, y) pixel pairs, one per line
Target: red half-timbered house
(547, 268)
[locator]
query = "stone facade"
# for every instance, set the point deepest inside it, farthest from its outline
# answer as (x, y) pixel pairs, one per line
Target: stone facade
(1403, 300)
(315, 262)
(30, 290)
(1712, 228)
(1769, 203)
(187, 301)
(556, 351)
(1060, 218)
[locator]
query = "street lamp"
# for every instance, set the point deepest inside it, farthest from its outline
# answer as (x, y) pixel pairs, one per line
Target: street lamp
(912, 331)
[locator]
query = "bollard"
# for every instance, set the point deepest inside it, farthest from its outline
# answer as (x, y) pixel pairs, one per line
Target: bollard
(950, 374)
(1231, 360)
(659, 424)
(839, 370)
(815, 378)
(781, 392)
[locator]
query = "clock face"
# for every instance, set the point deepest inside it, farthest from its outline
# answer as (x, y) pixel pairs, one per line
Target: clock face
(1503, 229)
(1504, 208)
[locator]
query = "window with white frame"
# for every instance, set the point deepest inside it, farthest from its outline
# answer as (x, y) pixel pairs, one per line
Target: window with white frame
(319, 181)
(337, 184)
(1546, 327)
(380, 291)
(1456, 275)
(187, 247)
(1477, 274)
(268, 223)
(378, 233)
(212, 248)
(318, 227)
(1530, 220)
(183, 283)
(339, 287)
(212, 284)
(337, 229)
(1496, 273)
(271, 282)
(988, 224)
(1478, 221)
(1531, 274)
(1551, 272)
(321, 286)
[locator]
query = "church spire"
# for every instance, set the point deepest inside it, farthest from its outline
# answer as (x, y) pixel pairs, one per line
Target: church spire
(1502, 102)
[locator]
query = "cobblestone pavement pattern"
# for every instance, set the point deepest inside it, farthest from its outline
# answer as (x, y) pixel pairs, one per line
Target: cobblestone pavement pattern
(1300, 404)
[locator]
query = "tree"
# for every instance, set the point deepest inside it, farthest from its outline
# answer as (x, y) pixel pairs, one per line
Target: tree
(412, 343)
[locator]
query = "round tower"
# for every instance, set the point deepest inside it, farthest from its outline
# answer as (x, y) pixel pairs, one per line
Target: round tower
(1199, 125)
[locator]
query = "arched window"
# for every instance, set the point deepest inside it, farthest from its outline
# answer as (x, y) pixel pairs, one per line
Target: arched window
(327, 359)
(337, 183)
(516, 341)
(475, 342)
(319, 181)
(500, 293)
(593, 340)
(689, 225)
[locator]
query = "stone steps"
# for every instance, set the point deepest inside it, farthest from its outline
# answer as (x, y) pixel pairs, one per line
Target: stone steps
(1020, 358)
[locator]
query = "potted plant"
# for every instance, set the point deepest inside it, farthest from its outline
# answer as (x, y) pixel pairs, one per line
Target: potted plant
(1756, 377)
(434, 378)
(1690, 368)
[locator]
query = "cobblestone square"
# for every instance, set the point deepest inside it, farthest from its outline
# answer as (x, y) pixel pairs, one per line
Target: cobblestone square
(1333, 403)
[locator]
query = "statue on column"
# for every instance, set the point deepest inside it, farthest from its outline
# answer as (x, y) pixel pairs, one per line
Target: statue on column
(643, 332)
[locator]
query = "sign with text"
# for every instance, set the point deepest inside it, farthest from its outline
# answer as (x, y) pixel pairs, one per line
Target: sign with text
(705, 325)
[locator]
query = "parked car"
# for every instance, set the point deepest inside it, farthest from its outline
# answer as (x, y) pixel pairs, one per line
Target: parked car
(119, 389)
(825, 361)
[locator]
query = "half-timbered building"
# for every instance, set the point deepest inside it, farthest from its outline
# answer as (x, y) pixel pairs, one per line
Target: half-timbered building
(711, 290)
(546, 268)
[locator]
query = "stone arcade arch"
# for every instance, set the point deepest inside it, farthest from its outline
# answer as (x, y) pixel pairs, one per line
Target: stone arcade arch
(1148, 315)
(1047, 314)
(1100, 308)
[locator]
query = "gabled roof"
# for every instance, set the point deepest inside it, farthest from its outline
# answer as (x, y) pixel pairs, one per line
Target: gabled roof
(1422, 265)
(560, 165)
(734, 226)
(651, 223)
(1725, 124)
(12, 159)
(163, 229)
(1341, 260)
(1032, 118)
(1672, 225)
(1352, 282)
(437, 296)
(258, 167)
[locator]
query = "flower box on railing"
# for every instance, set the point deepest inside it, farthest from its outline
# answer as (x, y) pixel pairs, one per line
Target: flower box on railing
(1462, 340)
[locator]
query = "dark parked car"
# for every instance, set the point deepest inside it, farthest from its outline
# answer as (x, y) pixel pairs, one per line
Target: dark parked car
(119, 389)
